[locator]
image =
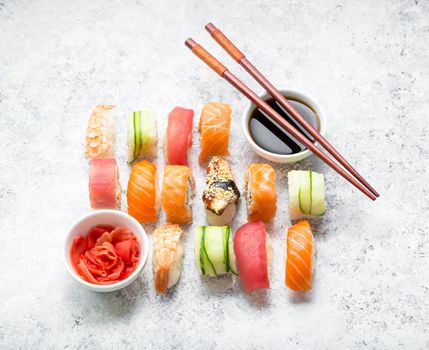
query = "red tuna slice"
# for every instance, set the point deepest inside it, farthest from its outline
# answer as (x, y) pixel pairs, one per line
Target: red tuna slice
(251, 254)
(179, 136)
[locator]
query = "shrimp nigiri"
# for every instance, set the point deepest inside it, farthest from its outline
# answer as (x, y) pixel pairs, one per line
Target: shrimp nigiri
(167, 257)
(100, 134)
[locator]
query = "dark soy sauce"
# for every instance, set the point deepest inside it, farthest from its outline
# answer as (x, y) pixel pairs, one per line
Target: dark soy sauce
(271, 137)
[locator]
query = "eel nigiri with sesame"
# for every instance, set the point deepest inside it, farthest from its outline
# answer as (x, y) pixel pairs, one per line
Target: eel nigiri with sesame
(221, 194)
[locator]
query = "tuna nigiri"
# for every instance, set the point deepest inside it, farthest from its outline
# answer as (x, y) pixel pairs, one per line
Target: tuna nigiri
(260, 192)
(104, 187)
(167, 257)
(214, 125)
(252, 248)
(177, 193)
(142, 192)
(300, 255)
(179, 136)
(100, 134)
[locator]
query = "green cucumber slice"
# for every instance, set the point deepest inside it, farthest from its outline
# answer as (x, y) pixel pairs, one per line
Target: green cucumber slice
(232, 261)
(131, 139)
(209, 269)
(137, 134)
(304, 193)
(201, 257)
(226, 231)
(197, 248)
(294, 183)
(318, 203)
(146, 131)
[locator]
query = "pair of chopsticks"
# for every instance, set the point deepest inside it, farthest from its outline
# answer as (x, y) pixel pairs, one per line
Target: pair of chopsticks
(353, 176)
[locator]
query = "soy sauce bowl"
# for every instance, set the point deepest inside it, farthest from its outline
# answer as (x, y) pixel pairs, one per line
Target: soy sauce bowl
(106, 217)
(283, 158)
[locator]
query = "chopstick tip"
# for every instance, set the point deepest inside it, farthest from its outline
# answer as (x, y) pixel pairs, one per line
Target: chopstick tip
(210, 27)
(190, 43)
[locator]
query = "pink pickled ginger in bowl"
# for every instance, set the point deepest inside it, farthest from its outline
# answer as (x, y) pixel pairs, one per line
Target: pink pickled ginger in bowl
(106, 250)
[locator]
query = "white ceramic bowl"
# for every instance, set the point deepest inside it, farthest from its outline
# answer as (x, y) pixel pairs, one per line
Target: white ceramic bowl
(107, 217)
(283, 158)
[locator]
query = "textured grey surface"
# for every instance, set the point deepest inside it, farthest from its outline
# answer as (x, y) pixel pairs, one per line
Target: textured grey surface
(366, 62)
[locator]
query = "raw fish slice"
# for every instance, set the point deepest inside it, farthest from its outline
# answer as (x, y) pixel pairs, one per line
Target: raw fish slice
(104, 187)
(167, 257)
(177, 193)
(214, 125)
(260, 192)
(253, 253)
(100, 134)
(142, 192)
(179, 136)
(300, 253)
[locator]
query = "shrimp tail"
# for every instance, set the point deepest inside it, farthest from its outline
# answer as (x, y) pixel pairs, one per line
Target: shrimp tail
(161, 279)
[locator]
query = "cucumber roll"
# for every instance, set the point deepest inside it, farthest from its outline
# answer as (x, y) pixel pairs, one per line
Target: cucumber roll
(306, 194)
(142, 135)
(214, 252)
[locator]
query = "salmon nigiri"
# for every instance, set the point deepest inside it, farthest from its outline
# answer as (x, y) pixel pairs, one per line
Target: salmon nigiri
(252, 249)
(142, 192)
(177, 192)
(300, 255)
(178, 139)
(214, 125)
(260, 192)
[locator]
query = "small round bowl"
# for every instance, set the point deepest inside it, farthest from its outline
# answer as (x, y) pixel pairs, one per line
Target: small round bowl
(107, 217)
(283, 158)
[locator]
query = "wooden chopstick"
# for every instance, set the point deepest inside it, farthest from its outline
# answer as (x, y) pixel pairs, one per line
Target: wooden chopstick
(238, 56)
(220, 69)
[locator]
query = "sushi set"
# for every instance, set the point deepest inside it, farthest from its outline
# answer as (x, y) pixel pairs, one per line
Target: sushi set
(110, 250)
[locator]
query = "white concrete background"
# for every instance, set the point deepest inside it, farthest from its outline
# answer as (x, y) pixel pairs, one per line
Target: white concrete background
(365, 61)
